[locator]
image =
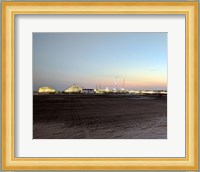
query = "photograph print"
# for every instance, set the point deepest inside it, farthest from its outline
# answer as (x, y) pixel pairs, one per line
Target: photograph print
(100, 85)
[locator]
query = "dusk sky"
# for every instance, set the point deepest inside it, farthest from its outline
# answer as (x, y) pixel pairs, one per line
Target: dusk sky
(100, 60)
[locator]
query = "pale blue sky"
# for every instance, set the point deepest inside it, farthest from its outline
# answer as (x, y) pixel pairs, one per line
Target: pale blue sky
(90, 59)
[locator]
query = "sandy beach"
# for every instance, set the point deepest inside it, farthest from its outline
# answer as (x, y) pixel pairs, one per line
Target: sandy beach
(99, 117)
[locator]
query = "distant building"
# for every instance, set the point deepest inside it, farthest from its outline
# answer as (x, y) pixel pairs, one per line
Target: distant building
(148, 92)
(163, 92)
(134, 92)
(88, 91)
(74, 89)
(107, 90)
(101, 91)
(46, 90)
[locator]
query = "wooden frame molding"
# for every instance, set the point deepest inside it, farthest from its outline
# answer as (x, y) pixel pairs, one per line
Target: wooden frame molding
(10, 9)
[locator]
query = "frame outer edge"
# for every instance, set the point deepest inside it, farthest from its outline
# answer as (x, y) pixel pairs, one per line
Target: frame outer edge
(196, 141)
(3, 85)
(8, 164)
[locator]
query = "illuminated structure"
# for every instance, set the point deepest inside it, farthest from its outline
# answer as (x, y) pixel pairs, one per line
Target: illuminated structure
(88, 91)
(74, 89)
(99, 91)
(46, 90)
(147, 91)
(107, 90)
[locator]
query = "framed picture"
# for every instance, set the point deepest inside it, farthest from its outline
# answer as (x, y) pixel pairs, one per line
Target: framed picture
(100, 85)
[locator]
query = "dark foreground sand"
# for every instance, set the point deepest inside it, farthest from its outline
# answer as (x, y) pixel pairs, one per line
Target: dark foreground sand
(99, 117)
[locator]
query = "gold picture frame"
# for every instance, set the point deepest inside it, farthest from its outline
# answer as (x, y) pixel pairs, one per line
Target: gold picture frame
(10, 9)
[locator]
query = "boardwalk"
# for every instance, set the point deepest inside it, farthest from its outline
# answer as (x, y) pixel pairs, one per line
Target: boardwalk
(99, 117)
